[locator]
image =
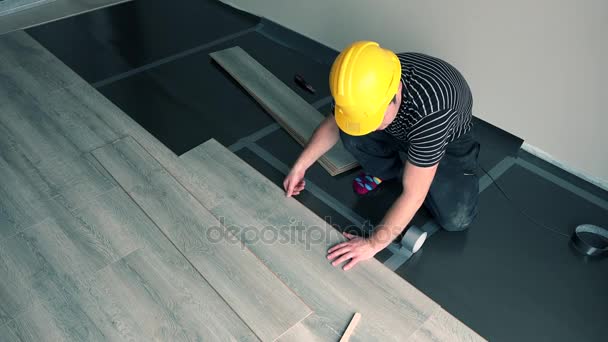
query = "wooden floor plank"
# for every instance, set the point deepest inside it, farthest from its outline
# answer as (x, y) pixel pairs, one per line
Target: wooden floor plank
(312, 329)
(27, 67)
(393, 308)
(55, 315)
(64, 250)
(9, 7)
(47, 270)
(442, 326)
(128, 227)
(50, 11)
(42, 262)
(152, 299)
(21, 203)
(34, 140)
(291, 111)
(251, 289)
(76, 117)
(31, 74)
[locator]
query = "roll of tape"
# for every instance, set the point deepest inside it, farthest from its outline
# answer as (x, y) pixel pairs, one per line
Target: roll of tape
(413, 239)
(590, 239)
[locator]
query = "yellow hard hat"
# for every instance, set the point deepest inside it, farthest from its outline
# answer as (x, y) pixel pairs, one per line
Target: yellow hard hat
(363, 80)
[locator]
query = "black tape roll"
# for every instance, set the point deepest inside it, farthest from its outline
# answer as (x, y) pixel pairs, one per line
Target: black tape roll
(590, 240)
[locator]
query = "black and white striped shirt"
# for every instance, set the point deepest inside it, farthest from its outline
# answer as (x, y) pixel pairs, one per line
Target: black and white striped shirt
(435, 108)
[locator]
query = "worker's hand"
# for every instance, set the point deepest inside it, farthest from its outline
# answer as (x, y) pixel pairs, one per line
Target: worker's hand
(356, 249)
(294, 183)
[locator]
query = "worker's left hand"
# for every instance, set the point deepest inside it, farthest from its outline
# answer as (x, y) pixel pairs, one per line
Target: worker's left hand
(356, 249)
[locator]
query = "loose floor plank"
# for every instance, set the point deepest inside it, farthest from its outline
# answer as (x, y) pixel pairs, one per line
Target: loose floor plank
(297, 116)
(253, 291)
(394, 309)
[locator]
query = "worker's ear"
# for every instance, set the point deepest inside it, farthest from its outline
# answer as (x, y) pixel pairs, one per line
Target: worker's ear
(394, 100)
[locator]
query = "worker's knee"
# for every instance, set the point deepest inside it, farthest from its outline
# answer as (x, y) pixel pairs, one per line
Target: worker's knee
(458, 221)
(454, 226)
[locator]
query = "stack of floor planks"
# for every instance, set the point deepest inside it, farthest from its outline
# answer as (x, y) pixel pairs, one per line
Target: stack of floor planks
(294, 114)
(105, 234)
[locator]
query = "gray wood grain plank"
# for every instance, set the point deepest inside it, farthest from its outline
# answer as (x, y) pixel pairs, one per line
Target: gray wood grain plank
(312, 329)
(55, 10)
(251, 289)
(148, 298)
(21, 203)
(75, 115)
(124, 125)
(40, 265)
(68, 248)
(47, 270)
(291, 111)
(127, 227)
(13, 6)
(58, 319)
(442, 326)
(393, 308)
(31, 134)
(27, 67)
(6, 332)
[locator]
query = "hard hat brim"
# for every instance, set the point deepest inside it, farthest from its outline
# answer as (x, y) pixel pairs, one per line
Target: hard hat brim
(358, 127)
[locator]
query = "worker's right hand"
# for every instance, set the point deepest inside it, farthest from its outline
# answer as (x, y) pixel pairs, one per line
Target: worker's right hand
(294, 183)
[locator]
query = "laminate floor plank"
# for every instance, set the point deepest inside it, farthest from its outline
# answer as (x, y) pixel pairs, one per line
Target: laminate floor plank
(251, 289)
(129, 227)
(54, 281)
(55, 314)
(72, 113)
(8, 7)
(76, 116)
(50, 11)
(54, 258)
(312, 329)
(32, 140)
(27, 66)
(42, 262)
(151, 298)
(292, 112)
(442, 326)
(394, 309)
(21, 204)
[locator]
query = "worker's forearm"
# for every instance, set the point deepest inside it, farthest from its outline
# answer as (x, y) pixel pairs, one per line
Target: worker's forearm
(396, 219)
(322, 140)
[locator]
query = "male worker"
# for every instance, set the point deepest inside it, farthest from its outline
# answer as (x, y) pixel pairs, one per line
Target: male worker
(385, 103)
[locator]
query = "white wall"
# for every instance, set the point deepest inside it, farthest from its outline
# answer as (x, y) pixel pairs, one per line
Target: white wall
(537, 68)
